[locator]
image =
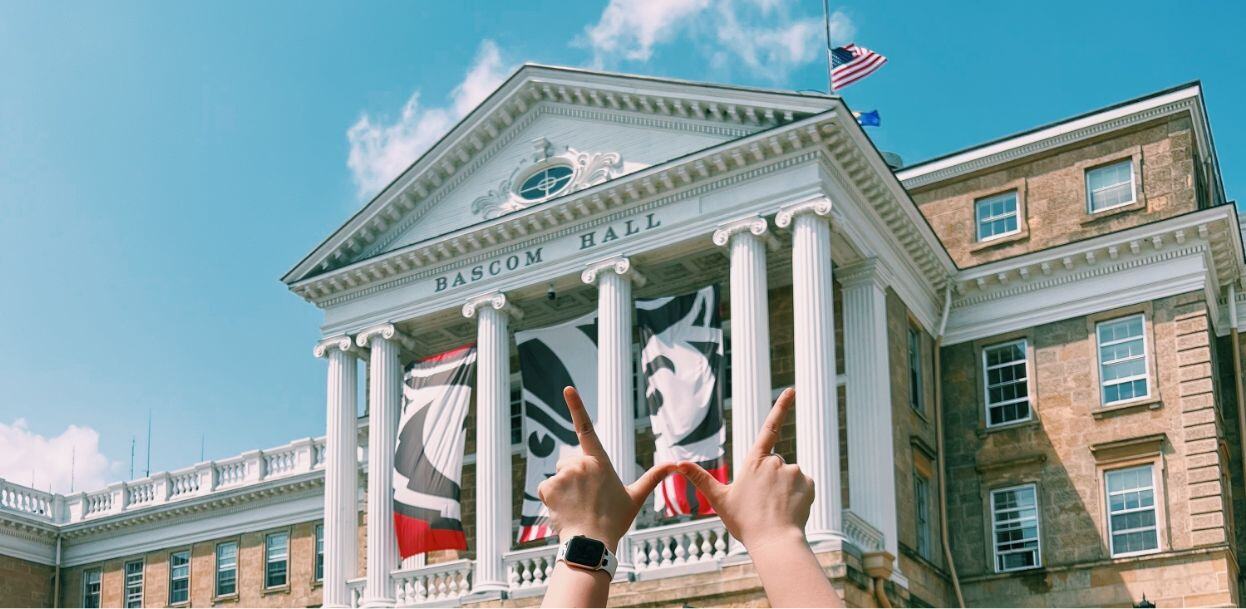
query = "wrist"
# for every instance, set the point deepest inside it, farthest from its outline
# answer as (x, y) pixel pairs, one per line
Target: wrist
(784, 539)
(611, 541)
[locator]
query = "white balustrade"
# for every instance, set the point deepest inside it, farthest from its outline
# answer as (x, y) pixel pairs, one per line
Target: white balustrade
(231, 472)
(140, 492)
(98, 503)
(440, 584)
(355, 588)
(17, 498)
(862, 534)
(528, 571)
(279, 462)
(677, 549)
(183, 483)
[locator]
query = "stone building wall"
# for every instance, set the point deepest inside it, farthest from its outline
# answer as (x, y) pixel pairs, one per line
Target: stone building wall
(24, 583)
(1052, 193)
(1071, 441)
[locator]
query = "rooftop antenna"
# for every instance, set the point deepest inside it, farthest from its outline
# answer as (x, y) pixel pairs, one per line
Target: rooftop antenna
(830, 50)
(147, 474)
(73, 465)
(133, 441)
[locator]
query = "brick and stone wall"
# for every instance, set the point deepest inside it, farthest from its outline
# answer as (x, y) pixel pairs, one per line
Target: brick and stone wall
(1052, 193)
(1067, 446)
(24, 583)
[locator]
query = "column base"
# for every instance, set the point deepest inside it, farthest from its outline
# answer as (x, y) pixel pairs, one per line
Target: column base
(378, 602)
(825, 541)
(483, 594)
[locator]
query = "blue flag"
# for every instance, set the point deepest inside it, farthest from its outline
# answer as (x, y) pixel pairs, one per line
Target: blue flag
(868, 119)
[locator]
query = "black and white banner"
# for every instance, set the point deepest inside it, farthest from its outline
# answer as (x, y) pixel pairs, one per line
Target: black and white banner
(428, 461)
(550, 359)
(682, 357)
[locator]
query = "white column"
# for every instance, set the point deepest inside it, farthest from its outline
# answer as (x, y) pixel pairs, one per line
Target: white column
(817, 424)
(750, 336)
(871, 468)
(385, 408)
(616, 418)
(341, 471)
(493, 454)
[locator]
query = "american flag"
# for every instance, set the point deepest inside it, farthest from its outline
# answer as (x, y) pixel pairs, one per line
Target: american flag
(851, 63)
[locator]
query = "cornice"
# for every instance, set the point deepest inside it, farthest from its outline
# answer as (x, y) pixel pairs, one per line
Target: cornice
(1211, 232)
(222, 502)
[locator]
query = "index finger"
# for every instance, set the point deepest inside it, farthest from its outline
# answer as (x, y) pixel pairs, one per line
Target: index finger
(769, 435)
(589, 443)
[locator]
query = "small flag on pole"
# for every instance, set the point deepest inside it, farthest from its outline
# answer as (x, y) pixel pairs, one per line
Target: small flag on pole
(868, 119)
(851, 63)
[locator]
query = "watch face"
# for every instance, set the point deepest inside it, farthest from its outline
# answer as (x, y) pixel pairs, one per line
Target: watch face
(585, 551)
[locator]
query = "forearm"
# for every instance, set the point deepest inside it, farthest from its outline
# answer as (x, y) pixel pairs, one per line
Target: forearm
(571, 587)
(790, 573)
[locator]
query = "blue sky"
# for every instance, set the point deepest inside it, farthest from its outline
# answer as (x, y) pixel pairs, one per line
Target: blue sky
(163, 163)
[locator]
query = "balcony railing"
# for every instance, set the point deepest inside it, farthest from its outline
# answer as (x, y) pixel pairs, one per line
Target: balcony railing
(528, 570)
(679, 549)
(434, 585)
(255, 467)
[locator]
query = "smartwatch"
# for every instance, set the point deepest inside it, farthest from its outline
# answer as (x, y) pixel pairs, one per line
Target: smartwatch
(587, 553)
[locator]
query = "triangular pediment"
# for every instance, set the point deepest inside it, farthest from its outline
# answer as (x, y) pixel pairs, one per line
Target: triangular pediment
(545, 133)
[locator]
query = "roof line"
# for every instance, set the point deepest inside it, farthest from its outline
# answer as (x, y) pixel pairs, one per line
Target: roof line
(1033, 130)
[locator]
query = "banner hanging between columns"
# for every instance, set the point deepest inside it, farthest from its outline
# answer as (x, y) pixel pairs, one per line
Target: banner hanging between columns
(428, 464)
(682, 357)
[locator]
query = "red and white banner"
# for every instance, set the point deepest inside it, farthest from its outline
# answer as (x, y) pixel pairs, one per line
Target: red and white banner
(428, 464)
(682, 358)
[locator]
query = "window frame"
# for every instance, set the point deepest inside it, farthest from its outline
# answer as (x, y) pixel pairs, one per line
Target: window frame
(98, 572)
(1016, 213)
(216, 569)
(916, 370)
(1156, 500)
(1147, 361)
(173, 579)
(986, 382)
(1133, 185)
(125, 581)
(318, 554)
(1038, 527)
(925, 536)
(268, 560)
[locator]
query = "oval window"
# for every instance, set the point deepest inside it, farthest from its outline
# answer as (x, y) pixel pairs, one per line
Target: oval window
(545, 183)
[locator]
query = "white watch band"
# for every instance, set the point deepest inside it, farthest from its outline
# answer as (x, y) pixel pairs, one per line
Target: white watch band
(609, 562)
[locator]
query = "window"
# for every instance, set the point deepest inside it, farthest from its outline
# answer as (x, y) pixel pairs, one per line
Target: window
(1006, 383)
(134, 583)
(1122, 359)
(91, 588)
(276, 555)
(179, 577)
(1110, 186)
(996, 216)
(915, 369)
(1014, 528)
(921, 498)
(226, 568)
(1131, 510)
(320, 552)
(545, 183)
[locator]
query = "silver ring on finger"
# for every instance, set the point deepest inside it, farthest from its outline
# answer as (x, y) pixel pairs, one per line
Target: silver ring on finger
(775, 454)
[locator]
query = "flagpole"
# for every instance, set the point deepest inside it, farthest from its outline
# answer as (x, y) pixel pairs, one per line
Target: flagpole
(830, 63)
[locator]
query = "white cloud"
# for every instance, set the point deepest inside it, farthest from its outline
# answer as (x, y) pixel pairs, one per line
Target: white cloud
(629, 29)
(762, 36)
(75, 454)
(380, 150)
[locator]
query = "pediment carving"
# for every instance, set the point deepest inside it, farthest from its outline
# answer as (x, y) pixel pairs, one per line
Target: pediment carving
(586, 169)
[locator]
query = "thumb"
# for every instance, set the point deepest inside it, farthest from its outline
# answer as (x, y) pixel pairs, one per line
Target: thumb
(707, 484)
(644, 485)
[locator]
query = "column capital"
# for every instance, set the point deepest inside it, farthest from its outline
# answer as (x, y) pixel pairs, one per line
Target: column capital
(863, 272)
(387, 331)
(497, 300)
(341, 342)
(820, 206)
(750, 225)
(620, 265)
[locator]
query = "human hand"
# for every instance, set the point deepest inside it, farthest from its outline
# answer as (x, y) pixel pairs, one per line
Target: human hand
(770, 499)
(585, 496)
